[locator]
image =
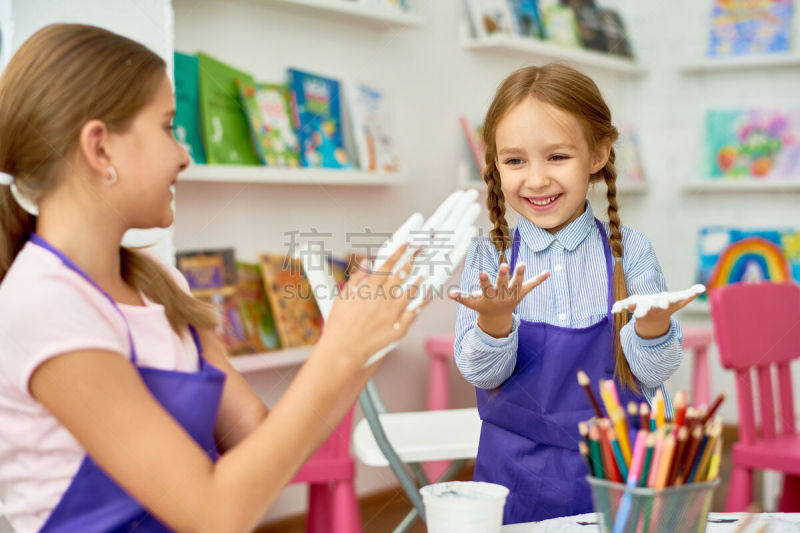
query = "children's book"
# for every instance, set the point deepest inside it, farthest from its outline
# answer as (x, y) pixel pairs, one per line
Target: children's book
(753, 144)
(370, 124)
(268, 112)
(743, 27)
(226, 132)
(317, 112)
(560, 25)
(628, 155)
(474, 135)
(616, 34)
(732, 255)
(589, 24)
(187, 107)
(297, 317)
(527, 18)
(254, 308)
(490, 17)
(212, 278)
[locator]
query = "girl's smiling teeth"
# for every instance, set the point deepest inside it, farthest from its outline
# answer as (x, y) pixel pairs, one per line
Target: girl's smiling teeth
(541, 201)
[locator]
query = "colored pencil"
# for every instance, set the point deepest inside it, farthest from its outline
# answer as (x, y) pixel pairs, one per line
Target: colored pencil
(691, 418)
(608, 395)
(713, 408)
(680, 448)
(584, 382)
(583, 429)
(623, 513)
(691, 454)
(609, 463)
(595, 452)
(584, 449)
(716, 457)
(706, 439)
(659, 406)
(665, 461)
(680, 405)
(648, 459)
(633, 414)
(644, 414)
(618, 419)
(615, 447)
(658, 450)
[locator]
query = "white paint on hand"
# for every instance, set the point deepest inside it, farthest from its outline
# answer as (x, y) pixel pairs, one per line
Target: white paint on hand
(662, 300)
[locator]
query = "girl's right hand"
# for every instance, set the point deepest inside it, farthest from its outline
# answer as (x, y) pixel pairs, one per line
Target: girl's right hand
(495, 303)
(370, 312)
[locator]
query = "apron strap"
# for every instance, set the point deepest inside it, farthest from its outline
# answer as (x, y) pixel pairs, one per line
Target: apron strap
(514, 252)
(37, 240)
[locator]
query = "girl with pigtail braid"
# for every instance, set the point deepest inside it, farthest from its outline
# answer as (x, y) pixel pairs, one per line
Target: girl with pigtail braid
(520, 339)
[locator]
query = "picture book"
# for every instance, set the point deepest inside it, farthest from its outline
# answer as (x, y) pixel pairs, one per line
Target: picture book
(490, 17)
(212, 278)
(527, 19)
(317, 113)
(371, 124)
(254, 308)
(744, 27)
(560, 25)
(732, 255)
(616, 33)
(473, 132)
(628, 155)
(226, 132)
(269, 116)
(753, 144)
(187, 107)
(297, 317)
(589, 24)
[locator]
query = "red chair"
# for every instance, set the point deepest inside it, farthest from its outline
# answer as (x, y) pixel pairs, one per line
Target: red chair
(330, 472)
(757, 325)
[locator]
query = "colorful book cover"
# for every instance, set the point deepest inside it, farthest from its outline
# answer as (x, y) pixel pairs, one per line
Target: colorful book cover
(317, 111)
(187, 107)
(212, 278)
(744, 27)
(589, 24)
(732, 255)
(254, 308)
(628, 155)
(560, 25)
(291, 299)
(474, 134)
(616, 33)
(527, 18)
(226, 132)
(269, 115)
(754, 143)
(490, 17)
(371, 125)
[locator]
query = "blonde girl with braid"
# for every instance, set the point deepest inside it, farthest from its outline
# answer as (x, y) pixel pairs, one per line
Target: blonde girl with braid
(521, 341)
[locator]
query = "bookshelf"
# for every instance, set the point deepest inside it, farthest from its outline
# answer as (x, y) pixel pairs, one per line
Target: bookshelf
(753, 62)
(727, 185)
(292, 176)
(356, 11)
(270, 360)
(544, 49)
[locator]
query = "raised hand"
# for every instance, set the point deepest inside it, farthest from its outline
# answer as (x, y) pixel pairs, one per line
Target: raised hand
(653, 311)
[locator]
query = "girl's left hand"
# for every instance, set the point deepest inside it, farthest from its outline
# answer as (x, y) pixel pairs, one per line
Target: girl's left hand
(653, 311)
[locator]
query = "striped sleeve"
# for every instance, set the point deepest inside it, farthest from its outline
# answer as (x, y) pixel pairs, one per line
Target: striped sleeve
(484, 361)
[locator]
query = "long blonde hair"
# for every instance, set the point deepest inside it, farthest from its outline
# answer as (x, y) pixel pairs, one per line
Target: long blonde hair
(575, 93)
(61, 77)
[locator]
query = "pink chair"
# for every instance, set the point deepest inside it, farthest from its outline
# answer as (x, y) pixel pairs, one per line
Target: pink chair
(698, 339)
(757, 325)
(330, 472)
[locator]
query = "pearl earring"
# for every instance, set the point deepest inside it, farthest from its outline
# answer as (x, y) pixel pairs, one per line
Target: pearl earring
(112, 176)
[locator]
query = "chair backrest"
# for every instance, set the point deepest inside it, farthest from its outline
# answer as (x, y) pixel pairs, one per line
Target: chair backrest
(757, 325)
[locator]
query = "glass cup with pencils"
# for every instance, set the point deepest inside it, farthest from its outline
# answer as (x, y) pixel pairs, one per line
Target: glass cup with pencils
(649, 473)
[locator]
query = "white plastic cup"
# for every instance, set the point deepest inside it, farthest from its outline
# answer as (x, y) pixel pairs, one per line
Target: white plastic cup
(464, 507)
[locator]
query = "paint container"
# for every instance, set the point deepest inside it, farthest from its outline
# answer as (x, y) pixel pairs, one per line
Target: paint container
(464, 507)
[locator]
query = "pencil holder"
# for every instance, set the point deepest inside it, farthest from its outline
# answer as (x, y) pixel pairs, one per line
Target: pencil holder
(624, 509)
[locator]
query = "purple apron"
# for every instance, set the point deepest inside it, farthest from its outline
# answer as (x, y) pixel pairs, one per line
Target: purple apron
(529, 436)
(95, 503)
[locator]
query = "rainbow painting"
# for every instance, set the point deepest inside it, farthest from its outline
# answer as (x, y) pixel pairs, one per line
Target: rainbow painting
(730, 255)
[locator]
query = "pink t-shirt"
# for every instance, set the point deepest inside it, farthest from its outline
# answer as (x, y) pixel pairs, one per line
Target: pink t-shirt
(46, 309)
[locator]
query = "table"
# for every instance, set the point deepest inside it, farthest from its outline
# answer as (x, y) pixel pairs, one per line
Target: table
(717, 523)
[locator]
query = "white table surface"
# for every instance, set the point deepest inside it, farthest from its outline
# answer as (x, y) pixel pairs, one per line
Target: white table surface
(717, 523)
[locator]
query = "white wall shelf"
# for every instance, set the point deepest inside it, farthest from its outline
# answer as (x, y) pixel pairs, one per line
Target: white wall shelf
(373, 14)
(726, 185)
(293, 176)
(742, 63)
(269, 360)
(578, 56)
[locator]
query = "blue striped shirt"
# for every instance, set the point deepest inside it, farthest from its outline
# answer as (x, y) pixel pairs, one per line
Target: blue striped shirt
(575, 295)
